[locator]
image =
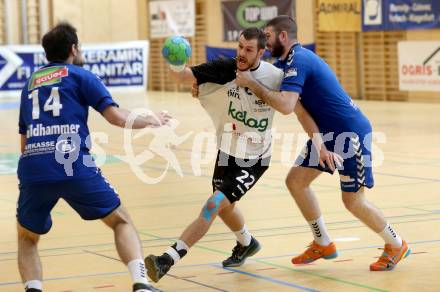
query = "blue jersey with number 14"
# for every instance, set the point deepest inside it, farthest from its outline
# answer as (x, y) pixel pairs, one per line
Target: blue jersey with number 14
(53, 117)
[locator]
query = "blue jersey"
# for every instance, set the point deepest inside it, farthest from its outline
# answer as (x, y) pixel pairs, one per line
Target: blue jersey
(53, 116)
(321, 93)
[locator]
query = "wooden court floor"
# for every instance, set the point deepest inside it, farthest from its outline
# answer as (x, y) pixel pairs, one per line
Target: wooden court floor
(80, 256)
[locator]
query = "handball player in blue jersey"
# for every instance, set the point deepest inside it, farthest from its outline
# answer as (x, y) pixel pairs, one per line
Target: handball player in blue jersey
(344, 129)
(55, 162)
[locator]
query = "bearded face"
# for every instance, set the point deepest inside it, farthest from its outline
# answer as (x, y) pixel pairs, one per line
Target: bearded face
(274, 45)
(277, 48)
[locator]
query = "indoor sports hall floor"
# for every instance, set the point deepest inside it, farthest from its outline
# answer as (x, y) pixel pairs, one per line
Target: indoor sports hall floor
(80, 256)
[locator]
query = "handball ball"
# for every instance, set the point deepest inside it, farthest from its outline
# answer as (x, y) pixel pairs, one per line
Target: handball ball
(176, 50)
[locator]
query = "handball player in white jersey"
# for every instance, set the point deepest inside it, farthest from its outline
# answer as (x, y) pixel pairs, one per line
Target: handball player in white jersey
(243, 124)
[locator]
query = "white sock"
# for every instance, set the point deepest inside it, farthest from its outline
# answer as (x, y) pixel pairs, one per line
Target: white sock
(36, 284)
(180, 244)
(243, 236)
(177, 250)
(137, 271)
(320, 231)
(390, 236)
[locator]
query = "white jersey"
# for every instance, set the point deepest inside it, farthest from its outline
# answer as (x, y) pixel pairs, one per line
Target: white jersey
(243, 122)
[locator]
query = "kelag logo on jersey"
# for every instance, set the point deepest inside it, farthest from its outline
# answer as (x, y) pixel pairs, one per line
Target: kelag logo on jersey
(261, 125)
(49, 76)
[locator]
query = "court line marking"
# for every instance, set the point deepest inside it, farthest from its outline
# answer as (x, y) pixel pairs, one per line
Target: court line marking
(300, 216)
(69, 277)
(192, 202)
(269, 279)
(158, 239)
(277, 161)
(198, 283)
(184, 172)
(103, 286)
(316, 185)
(9, 105)
(232, 270)
(207, 264)
(408, 176)
(173, 276)
(425, 162)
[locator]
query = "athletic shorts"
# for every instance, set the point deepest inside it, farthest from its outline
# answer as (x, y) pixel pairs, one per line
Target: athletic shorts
(357, 169)
(234, 176)
(92, 198)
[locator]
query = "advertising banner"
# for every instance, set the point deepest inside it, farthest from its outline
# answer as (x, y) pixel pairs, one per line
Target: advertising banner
(419, 65)
(339, 15)
(119, 65)
(238, 15)
(400, 14)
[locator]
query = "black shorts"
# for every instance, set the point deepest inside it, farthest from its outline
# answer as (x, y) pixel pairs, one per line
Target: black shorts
(234, 176)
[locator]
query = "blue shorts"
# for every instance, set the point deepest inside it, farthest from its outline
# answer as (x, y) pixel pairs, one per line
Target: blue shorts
(92, 198)
(356, 171)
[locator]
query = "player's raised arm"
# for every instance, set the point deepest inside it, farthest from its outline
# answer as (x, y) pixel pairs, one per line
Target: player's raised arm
(185, 75)
(282, 101)
(122, 118)
(97, 96)
(177, 50)
(219, 71)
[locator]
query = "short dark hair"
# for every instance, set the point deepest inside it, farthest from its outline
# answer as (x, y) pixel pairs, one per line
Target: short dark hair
(58, 42)
(284, 23)
(253, 33)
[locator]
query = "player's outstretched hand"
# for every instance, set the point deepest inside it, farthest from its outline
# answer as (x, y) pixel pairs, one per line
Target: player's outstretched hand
(158, 119)
(177, 68)
(331, 159)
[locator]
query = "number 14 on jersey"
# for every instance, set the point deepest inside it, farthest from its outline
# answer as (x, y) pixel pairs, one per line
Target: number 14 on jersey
(52, 103)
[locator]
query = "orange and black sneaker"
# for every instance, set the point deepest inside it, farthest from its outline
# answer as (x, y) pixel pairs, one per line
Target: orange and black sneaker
(390, 257)
(314, 252)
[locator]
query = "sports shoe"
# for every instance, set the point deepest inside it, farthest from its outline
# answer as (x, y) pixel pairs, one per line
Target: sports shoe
(141, 287)
(33, 290)
(390, 257)
(157, 267)
(314, 252)
(240, 253)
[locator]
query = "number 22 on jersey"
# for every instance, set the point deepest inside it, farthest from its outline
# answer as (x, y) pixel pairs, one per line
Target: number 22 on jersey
(242, 178)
